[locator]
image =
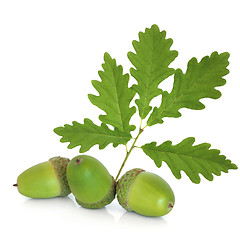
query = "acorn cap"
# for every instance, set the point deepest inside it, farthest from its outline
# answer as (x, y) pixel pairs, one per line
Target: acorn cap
(124, 185)
(60, 165)
(109, 197)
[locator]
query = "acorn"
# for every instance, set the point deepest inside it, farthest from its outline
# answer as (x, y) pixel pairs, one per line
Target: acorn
(45, 180)
(90, 182)
(144, 193)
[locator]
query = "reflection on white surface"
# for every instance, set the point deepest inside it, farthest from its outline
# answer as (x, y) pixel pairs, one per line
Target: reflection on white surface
(139, 220)
(142, 225)
(50, 203)
(66, 209)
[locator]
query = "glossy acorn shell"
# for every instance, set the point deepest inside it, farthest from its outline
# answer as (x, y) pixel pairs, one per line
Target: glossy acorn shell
(45, 180)
(90, 182)
(145, 193)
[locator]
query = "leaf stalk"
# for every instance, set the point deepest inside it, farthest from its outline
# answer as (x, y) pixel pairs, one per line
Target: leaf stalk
(128, 153)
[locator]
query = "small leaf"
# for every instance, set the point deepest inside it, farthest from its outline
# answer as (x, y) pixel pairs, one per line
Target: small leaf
(151, 62)
(190, 159)
(198, 82)
(88, 134)
(114, 96)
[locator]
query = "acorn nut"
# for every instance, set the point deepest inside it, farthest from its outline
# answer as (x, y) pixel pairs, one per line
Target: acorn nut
(45, 180)
(90, 182)
(144, 193)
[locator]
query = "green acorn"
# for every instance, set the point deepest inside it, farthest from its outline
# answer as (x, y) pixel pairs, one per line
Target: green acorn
(90, 182)
(45, 180)
(144, 193)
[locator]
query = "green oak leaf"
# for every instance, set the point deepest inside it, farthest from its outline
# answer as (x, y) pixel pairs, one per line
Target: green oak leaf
(198, 82)
(114, 96)
(88, 134)
(151, 62)
(190, 159)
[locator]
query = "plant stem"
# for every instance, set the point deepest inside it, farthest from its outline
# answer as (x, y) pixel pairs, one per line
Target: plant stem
(128, 152)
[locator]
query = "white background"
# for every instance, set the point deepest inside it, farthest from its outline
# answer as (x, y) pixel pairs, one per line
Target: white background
(49, 53)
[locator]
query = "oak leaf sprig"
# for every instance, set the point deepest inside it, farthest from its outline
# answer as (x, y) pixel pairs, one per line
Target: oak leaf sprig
(151, 61)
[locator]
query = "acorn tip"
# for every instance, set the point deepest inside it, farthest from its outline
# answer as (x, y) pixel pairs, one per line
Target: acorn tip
(170, 205)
